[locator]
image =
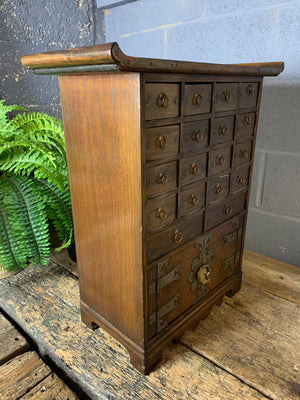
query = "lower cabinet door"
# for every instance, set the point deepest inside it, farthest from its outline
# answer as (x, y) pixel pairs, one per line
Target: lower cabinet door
(184, 277)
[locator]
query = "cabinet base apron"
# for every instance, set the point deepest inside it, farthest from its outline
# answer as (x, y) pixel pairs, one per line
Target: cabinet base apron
(146, 359)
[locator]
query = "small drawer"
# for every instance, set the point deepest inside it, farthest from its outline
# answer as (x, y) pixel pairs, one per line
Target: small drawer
(218, 188)
(248, 94)
(222, 130)
(226, 95)
(220, 160)
(162, 100)
(240, 178)
(160, 211)
(195, 136)
(192, 198)
(245, 125)
(217, 214)
(162, 142)
(161, 243)
(161, 178)
(242, 153)
(197, 99)
(193, 168)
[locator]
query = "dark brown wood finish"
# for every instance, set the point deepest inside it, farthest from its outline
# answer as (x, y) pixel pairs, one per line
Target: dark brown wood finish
(160, 160)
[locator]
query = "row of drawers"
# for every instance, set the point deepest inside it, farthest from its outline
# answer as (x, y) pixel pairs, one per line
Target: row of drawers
(164, 177)
(163, 142)
(185, 229)
(162, 100)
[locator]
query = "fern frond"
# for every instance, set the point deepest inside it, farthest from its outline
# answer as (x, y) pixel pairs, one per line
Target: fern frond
(4, 110)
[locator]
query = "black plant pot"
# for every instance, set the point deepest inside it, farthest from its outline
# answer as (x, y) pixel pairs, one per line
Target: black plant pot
(72, 252)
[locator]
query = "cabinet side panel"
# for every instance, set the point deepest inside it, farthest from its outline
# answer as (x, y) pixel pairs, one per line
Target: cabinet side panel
(101, 115)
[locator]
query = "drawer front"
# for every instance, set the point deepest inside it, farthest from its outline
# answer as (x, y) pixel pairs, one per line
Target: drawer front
(242, 153)
(218, 188)
(162, 100)
(195, 136)
(248, 93)
(240, 178)
(226, 95)
(192, 198)
(245, 125)
(221, 212)
(193, 168)
(160, 211)
(220, 160)
(161, 243)
(222, 129)
(197, 99)
(178, 281)
(161, 178)
(162, 143)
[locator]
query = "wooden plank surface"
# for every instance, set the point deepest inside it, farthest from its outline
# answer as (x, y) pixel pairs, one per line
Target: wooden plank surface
(45, 300)
(12, 343)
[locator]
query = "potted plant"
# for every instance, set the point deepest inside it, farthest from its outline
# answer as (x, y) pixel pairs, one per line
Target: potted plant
(34, 188)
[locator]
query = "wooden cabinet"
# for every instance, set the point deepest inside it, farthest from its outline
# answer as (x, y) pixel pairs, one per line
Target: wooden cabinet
(160, 156)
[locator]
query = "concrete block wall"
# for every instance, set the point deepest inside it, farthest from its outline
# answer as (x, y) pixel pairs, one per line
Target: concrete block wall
(236, 31)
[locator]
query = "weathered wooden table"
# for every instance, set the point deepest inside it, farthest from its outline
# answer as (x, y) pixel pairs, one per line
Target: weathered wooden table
(248, 349)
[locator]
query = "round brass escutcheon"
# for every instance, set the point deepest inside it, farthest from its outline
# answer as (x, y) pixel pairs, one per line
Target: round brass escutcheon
(223, 130)
(161, 142)
(219, 189)
(204, 274)
(161, 214)
(227, 209)
(247, 120)
(244, 153)
(197, 99)
(162, 100)
(226, 96)
(240, 179)
(249, 89)
(193, 199)
(162, 178)
(220, 159)
(197, 135)
(195, 169)
(177, 236)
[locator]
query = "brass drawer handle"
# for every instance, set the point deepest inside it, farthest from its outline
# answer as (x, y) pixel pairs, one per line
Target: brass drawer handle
(197, 99)
(195, 169)
(240, 179)
(226, 96)
(227, 209)
(220, 159)
(193, 199)
(162, 100)
(247, 120)
(249, 89)
(161, 142)
(223, 130)
(162, 178)
(161, 214)
(197, 135)
(244, 153)
(177, 236)
(219, 189)
(204, 274)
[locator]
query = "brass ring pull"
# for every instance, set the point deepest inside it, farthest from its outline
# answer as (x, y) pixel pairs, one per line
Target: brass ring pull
(161, 214)
(244, 153)
(162, 178)
(227, 209)
(162, 100)
(219, 189)
(193, 199)
(226, 96)
(223, 130)
(240, 179)
(204, 274)
(177, 236)
(247, 120)
(161, 142)
(220, 159)
(197, 99)
(197, 135)
(195, 169)
(249, 89)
